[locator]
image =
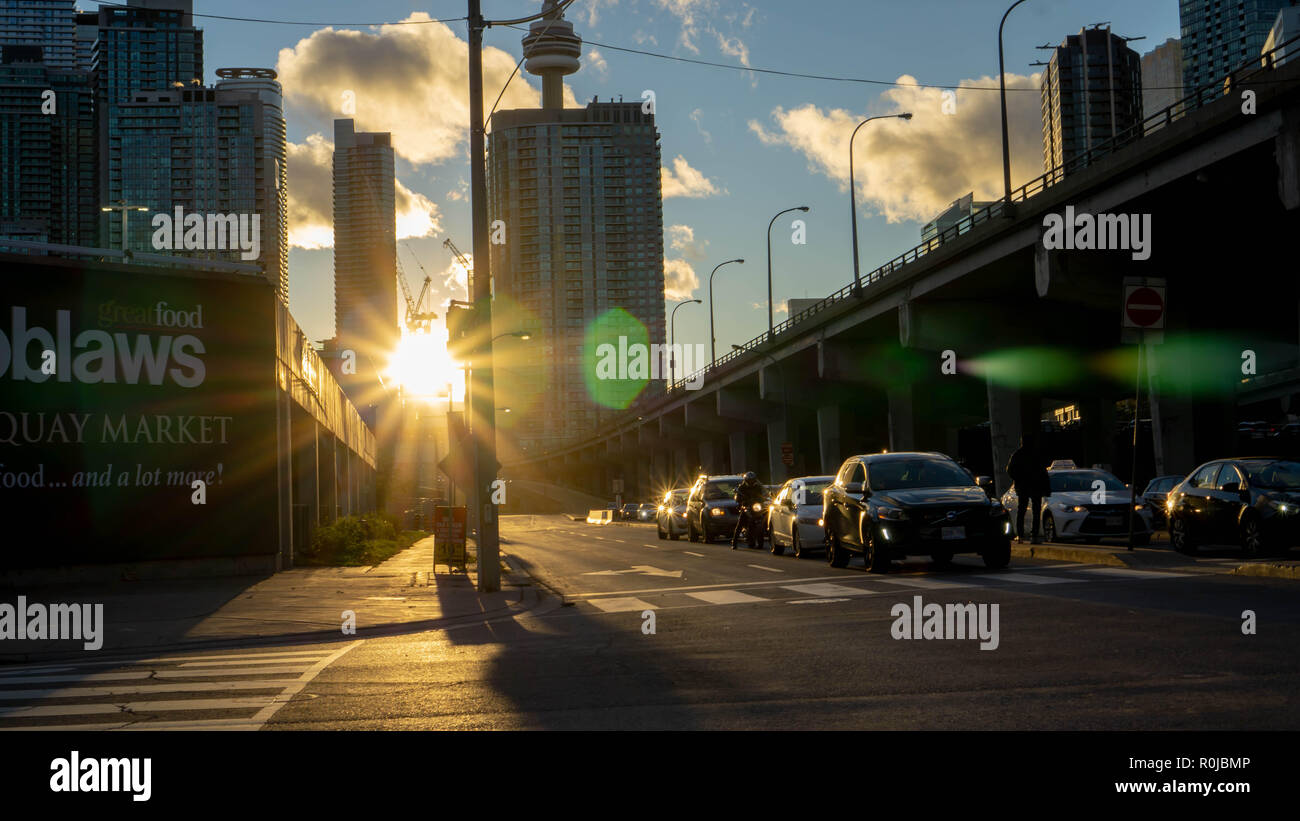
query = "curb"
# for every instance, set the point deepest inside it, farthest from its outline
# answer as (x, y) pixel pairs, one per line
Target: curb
(1268, 570)
(1092, 555)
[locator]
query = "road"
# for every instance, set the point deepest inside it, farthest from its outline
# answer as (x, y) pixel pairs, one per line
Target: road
(747, 640)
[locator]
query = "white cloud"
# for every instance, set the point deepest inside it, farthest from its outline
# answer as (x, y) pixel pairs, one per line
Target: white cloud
(697, 117)
(733, 47)
(311, 194)
(684, 181)
(913, 170)
(597, 61)
(409, 80)
(680, 280)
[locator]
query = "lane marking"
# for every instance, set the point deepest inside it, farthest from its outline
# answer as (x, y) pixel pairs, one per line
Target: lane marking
(249, 702)
(244, 661)
(828, 589)
(1125, 573)
(768, 569)
(925, 584)
(622, 605)
(123, 690)
(292, 690)
(725, 597)
(815, 601)
(697, 555)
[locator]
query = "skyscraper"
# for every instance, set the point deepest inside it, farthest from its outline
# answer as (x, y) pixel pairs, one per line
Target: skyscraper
(1285, 28)
(1162, 76)
(1219, 35)
(365, 254)
(1091, 91)
(578, 193)
(47, 150)
(271, 175)
(49, 24)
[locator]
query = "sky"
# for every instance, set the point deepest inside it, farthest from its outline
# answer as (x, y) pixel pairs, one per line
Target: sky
(737, 146)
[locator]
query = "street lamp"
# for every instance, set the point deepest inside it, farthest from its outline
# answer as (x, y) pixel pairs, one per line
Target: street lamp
(523, 335)
(672, 342)
(853, 199)
(770, 324)
(1006, 145)
(124, 207)
(713, 341)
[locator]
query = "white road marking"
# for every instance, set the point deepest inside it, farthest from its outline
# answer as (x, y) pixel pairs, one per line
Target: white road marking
(644, 569)
(725, 597)
(1026, 578)
(245, 661)
(926, 584)
(249, 702)
(284, 698)
(815, 601)
(768, 569)
(622, 605)
(136, 689)
(697, 555)
(827, 589)
(1125, 573)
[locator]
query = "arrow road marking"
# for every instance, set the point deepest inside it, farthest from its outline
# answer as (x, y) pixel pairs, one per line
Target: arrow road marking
(643, 569)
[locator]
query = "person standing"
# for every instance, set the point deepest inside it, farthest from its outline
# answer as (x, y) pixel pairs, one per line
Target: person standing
(1031, 483)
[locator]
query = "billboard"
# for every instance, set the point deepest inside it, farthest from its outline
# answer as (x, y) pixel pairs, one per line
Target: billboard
(120, 387)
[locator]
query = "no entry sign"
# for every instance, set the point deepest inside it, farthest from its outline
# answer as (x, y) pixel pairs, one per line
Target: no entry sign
(1144, 304)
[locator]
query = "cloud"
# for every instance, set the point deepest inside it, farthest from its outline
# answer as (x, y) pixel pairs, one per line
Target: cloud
(597, 61)
(680, 280)
(409, 80)
(733, 47)
(697, 117)
(461, 192)
(913, 170)
(681, 238)
(687, 12)
(684, 181)
(455, 277)
(592, 9)
(311, 194)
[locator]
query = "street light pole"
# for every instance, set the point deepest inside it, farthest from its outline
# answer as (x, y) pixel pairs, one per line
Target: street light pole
(1006, 144)
(672, 342)
(853, 198)
(770, 325)
(713, 340)
(124, 207)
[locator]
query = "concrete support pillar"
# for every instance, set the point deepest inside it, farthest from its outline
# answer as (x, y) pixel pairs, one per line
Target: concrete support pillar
(902, 418)
(739, 454)
(777, 433)
(828, 438)
(1172, 421)
(709, 457)
(1287, 151)
(284, 479)
(1005, 426)
(1099, 432)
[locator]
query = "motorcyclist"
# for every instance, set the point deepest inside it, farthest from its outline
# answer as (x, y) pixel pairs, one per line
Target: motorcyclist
(748, 492)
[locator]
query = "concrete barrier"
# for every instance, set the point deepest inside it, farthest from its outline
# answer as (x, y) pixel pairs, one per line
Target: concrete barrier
(600, 517)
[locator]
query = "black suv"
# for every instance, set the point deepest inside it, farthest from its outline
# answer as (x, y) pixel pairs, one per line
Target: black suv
(1251, 502)
(711, 509)
(891, 505)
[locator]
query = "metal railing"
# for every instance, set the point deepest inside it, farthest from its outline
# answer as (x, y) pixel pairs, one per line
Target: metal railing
(1263, 64)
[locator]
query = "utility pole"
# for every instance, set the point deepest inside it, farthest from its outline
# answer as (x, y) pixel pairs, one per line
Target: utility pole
(482, 398)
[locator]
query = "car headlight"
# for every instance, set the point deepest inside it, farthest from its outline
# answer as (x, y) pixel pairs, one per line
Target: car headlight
(1281, 507)
(717, 511)
(756, 507)
(1139, 507)
(890, 513)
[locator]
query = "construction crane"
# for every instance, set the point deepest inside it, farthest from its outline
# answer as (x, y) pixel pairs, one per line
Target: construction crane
(469, 272)
(417, 320)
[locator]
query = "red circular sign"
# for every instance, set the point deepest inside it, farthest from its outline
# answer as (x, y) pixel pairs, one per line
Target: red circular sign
(1144, 307)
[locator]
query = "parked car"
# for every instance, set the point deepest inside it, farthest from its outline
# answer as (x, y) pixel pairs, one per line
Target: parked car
(1087, 504)
(1156, 495)
(890, 505)
(645, 512)
(670, 516)
(1251, 502)
(627, 512)
(794, 518)
(711, 509)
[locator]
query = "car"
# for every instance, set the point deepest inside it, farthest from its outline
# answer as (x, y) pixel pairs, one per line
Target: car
(628, 512)
(1087, 504)
(670, 516)
(1252, 502)
(645, 512)
(1156, 495)
(711, 508)
(794, 519)
(891, 505)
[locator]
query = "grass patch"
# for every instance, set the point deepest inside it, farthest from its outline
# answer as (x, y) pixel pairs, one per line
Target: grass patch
(356, 541)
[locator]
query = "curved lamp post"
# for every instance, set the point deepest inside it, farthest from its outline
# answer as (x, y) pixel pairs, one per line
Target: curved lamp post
(1006, 145)
(672, 342)
(853, 198)
(770, 324)
(713, 341)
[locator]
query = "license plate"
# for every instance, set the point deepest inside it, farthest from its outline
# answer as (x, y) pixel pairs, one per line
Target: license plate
(1114, 521)
(952, 533)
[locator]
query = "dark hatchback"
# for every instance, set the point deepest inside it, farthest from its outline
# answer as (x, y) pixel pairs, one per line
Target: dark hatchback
(890, 505)
(1250, 502)
(711, 509)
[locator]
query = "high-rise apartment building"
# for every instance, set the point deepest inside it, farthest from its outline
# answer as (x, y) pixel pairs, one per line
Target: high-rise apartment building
(1091, 92)
(1286, 27)
(49, 24)
(365, 253)
(578, 192)
(47, 150)
(1220, 35)
(1162, 76)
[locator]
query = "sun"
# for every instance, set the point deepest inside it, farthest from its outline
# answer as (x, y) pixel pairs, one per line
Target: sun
(422, 368)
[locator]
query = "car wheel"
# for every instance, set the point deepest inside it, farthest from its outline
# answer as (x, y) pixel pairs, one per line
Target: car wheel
(1179, 538)
(999, 556)
(942, 558)
(1049, 528)
(877, 559)
(659, 531)
(778, 549)
(796, 545)
(1252, 538)
(836, 555)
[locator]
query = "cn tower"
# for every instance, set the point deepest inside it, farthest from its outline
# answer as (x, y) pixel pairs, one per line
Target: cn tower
(551, 51)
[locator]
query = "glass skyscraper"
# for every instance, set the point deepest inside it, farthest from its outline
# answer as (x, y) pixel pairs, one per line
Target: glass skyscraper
(1220, 35)
(49, 24)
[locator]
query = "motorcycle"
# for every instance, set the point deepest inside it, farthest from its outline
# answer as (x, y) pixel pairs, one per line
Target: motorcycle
(755, 528)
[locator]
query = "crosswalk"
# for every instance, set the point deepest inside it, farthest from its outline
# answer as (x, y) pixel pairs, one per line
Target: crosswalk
(236, 690)
(844, 588)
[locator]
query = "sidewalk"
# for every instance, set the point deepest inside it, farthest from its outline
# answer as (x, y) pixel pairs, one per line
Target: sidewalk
(1279, 567)
(303, 604)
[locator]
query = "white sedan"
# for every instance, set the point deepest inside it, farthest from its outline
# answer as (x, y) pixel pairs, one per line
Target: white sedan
(794, 517)
(1085, 505)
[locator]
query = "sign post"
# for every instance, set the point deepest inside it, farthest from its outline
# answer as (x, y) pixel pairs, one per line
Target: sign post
(1142, 321)
(449, 537)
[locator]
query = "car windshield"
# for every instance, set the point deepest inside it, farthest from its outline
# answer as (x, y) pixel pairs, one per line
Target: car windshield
(721, 488)
(1072, 481)
(1283, 475)
(901, 474)
(677, 499)
(812, 492)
